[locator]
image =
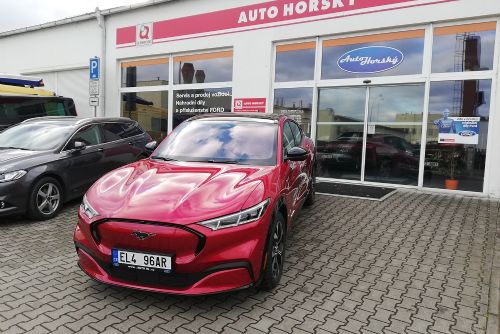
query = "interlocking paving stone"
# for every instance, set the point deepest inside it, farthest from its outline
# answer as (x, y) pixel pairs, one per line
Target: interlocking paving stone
(414, 263)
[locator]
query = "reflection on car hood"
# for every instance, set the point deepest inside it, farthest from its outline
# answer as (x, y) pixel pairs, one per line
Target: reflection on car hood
(13, 159)
(176, 192)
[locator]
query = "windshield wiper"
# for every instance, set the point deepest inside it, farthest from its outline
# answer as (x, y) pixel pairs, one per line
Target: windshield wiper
(15, 148)
(157, 157)
(221, 161)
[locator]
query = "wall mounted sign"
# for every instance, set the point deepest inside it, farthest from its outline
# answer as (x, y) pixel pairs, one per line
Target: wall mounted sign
(257, 104)
(260, 16)
(370, 59)
(144, 34)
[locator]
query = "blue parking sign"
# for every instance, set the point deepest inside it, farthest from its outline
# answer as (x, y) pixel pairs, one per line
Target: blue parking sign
(94, 68)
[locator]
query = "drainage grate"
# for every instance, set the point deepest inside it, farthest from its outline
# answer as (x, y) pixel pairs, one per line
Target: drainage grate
(353, 190)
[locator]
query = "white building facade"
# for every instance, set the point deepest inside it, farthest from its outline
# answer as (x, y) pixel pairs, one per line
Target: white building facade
(394, 92)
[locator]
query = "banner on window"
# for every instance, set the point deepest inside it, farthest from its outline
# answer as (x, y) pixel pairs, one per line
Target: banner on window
(458, 130)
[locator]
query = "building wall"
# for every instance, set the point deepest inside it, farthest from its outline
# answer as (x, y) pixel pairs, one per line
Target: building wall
(60, 55)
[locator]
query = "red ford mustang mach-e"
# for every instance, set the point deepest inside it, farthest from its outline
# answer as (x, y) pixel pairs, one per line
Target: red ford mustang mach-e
(208, 212)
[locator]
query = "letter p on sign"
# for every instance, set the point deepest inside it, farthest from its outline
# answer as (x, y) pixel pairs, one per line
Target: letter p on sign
(94, 68)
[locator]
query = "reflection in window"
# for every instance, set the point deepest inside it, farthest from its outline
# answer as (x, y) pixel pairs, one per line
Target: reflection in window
(403, 103)
(464, 48)
(189, 103)
(296, 103)
(457, 133)
(204, 68)
(150, 72)
(342, 104)
(295, 62)
(361, 55)
(149, 109)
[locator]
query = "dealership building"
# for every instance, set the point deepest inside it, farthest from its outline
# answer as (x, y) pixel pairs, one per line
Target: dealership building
(394, 92)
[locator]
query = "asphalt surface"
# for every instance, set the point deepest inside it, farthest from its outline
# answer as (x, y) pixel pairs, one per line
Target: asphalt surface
(414, 263)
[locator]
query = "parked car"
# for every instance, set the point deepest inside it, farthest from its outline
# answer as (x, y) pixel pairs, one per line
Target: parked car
(208, 212)
(47, 161)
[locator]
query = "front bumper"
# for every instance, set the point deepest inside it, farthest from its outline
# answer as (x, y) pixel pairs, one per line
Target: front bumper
(14, 195)
(223, 260)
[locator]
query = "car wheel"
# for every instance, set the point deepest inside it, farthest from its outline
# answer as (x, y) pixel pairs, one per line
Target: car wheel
(311, 195)
(275, 253)
(46, 199)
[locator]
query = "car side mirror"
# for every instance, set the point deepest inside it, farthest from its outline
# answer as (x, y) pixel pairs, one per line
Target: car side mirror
(296, 154)
(79, 146)
(151, 146)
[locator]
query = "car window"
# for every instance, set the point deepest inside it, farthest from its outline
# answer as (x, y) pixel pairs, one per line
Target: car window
(89, 135)
(54, 109)
(17, 111)
(297, 134)
(113, 131)
(131, 129)
(288, 138)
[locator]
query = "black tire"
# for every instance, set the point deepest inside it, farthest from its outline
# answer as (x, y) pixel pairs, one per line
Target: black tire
(38, 208)
(274, 257)
(311, 195)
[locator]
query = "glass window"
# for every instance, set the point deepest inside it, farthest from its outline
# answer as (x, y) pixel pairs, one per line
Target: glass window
(288, 138)
(402, 103)
(399, 53)
(297, 134)
(464, 48)
(113, 131)
(55, 108)
(214, 140)
(89, 135)
(150, 72)
(189, 103)
(296, 103)
(342, 104)
(295, 62)
(457, 133)
(131, 129)
(204, 68)
(149, 109)
(39, 136)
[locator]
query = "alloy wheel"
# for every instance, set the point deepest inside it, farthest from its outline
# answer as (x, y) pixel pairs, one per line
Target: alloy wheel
(278, 246)
(48, 198)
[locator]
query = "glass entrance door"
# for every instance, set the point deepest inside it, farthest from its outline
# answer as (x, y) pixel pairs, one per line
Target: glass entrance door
(370, 134)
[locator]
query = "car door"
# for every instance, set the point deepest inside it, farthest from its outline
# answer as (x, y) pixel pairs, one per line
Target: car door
(303, 166)
(118, 150)
(291, 170)
(84, 167)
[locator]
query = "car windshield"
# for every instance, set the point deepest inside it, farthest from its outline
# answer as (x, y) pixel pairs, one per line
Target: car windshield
(36, 136)
(221, 141)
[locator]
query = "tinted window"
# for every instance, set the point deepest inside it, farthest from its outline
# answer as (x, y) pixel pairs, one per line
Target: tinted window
(54, 108)
(464, 48)
(244, 142)
(204, 68)
(295, 62)
(131, 129)
(89, 136)
(36, 136)
(288, 138)
(296, 133)
(149, 72)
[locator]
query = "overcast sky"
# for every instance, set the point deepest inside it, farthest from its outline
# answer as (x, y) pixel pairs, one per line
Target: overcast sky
(24, 13)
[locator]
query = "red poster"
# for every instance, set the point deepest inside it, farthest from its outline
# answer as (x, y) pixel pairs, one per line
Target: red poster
(255, 104)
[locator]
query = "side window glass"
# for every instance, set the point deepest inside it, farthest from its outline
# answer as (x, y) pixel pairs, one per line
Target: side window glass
(297, 134)
(288, 139)
(54, 109)
(113, 131)
(131, 129)
(89, 136)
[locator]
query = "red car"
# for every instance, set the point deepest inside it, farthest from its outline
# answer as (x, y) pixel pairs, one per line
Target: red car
(208, 212)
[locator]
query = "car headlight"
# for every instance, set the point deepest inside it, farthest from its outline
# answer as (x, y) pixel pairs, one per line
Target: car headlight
(243, 217)
(11, 176)
(87, 209)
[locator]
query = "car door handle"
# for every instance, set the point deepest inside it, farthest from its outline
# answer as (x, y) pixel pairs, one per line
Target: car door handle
(100, 149)
(131, 143)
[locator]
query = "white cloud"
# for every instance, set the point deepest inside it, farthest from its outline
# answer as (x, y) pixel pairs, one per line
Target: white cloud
(14, 14)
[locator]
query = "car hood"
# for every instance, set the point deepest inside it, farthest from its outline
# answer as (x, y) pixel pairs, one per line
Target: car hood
(178, 192)
(14, 159)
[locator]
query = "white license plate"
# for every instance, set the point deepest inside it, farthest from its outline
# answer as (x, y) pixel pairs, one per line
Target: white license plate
(142, 260)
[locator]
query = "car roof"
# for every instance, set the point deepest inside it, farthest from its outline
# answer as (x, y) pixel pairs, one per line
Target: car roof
(240, 115)
(76, 120)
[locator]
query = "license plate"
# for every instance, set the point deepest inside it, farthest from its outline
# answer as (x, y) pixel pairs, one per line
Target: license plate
(142, 261)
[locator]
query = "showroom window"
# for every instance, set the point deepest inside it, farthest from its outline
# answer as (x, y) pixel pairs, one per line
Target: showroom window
(295, 62)
(150, 72)
(464, 48)
(296, 103)
(204, 68)
(398, 53)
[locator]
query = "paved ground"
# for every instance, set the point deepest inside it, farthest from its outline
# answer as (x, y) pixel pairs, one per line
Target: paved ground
(415, 263)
